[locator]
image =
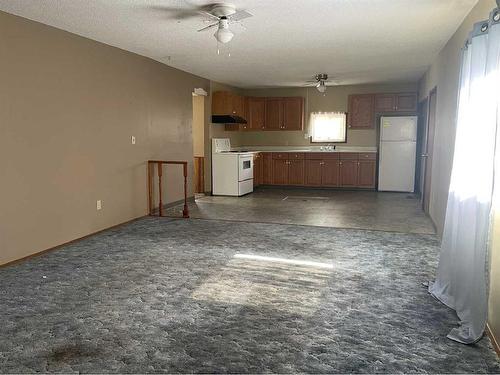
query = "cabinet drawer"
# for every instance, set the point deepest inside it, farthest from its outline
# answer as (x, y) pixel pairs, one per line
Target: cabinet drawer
(348, 156)
(367, 156)
(322, 155)
(295, 156)
(280, 155)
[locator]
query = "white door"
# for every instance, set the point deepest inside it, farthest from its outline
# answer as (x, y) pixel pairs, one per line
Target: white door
(397, 166)
(398, 128)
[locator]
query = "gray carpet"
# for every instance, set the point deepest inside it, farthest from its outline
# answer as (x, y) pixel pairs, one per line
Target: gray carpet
(162, 295)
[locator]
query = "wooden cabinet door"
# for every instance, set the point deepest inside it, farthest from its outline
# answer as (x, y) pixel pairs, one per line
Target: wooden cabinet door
(293, 113)
(238, 105)
(330, 172)
(348, 173)
(361, 111)
(256, 113)
(313, 172)
(385, 103)
(406, 102)
(267, 168)
(274, 114)
(257, 169)
(367, 173)
(280, 172)
(296, 172)
(221, 103)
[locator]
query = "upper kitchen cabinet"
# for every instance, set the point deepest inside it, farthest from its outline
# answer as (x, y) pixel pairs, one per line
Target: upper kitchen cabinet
(256, 113)
(228, 103)
(284, 113)
(406, 102)
(293, 113)
(397, 102)
(274, 114)
(361, 111)
(385, 102)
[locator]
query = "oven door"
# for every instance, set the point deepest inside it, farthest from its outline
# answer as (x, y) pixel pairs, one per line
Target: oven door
(245, 167)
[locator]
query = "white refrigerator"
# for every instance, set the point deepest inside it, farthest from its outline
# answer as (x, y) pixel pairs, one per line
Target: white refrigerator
(398, 147)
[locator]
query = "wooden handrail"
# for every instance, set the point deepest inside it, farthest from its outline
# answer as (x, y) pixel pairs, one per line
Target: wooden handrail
(159, 164)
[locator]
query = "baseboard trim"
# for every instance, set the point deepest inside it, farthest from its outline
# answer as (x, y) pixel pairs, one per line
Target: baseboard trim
(39, 253)
(493, 339)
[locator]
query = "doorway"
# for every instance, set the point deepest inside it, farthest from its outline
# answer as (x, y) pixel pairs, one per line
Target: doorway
(429, 115)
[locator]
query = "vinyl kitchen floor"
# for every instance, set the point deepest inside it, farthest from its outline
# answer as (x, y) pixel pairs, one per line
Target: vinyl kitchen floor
(393, 212)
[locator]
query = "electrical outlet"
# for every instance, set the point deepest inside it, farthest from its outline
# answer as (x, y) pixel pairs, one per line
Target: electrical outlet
(133, 140)
(99, 205)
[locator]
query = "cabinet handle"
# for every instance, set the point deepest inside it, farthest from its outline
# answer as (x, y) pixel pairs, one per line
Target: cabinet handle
(340, 163)
(358, 162)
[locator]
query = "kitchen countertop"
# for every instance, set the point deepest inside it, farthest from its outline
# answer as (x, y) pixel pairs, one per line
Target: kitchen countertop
(255, 149)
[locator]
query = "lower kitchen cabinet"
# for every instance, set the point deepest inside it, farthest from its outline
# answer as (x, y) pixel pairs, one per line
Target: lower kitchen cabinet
(367, 173)
(267, 168)
(330, 173)
(348, 173)
(280, 172)
(347, 170)
(257, 170)
(295, 172)
(313, 173)
(322, 172)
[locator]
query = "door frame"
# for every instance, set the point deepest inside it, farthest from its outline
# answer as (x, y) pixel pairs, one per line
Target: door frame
(428, 149)
(423, 112)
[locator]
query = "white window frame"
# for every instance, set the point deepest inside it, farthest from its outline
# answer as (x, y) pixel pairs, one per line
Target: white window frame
(321, 119)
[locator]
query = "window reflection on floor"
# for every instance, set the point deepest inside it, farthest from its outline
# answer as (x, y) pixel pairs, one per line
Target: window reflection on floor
(290, 285)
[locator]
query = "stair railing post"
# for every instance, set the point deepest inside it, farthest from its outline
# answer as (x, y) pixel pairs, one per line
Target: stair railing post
(160, 173)
(150, 188)
(185, 211)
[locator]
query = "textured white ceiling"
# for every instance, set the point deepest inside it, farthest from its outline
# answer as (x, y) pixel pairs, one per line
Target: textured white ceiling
(286, 42)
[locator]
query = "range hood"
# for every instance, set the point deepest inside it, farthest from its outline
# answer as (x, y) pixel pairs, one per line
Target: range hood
(228, 119)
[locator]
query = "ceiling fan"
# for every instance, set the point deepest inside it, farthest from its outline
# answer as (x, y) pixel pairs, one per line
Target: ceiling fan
(223, 15)
(320, 81)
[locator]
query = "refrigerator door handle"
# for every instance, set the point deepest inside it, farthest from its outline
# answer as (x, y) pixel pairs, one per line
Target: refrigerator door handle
(425, 155)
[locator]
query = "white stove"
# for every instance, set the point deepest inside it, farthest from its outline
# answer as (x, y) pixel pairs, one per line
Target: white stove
(232, 170)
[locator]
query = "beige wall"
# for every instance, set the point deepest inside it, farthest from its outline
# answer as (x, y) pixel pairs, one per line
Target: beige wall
(444, 74)
(68, 108)
(334, 100)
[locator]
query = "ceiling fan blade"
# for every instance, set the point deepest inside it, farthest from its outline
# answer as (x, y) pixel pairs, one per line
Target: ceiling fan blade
(209, 27)
(210, 15)
(240, 15)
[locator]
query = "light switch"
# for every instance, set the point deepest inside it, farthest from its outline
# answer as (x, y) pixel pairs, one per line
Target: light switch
(133, 140)
(99, 205)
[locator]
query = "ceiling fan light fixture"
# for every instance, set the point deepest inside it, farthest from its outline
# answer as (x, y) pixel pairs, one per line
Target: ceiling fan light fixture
(321, 87)
(223, 35)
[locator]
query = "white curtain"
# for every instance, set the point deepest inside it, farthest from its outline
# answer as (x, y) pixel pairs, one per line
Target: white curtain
(462, 275)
